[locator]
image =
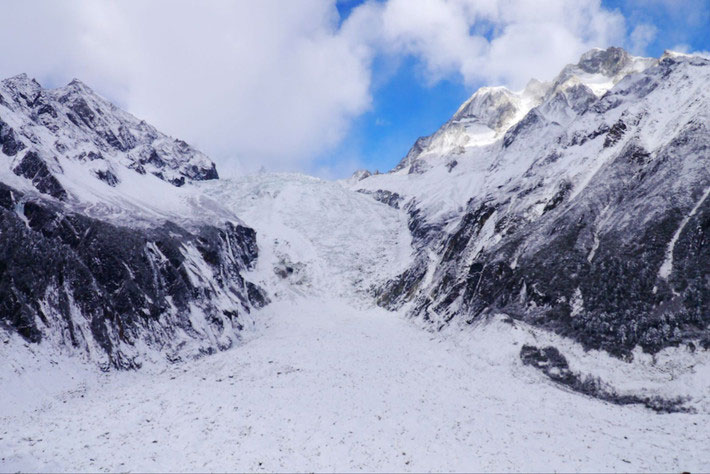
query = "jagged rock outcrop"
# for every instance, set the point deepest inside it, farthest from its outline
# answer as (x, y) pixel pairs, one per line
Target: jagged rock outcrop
(553, 364)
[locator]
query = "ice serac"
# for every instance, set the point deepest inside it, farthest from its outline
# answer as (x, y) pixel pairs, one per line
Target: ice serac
(107, 249)
(579, 205)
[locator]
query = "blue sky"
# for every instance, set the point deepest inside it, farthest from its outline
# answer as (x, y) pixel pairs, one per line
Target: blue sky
(407, 105)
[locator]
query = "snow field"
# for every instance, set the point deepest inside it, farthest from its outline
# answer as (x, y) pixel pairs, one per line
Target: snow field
(327, 382)
(327, 387)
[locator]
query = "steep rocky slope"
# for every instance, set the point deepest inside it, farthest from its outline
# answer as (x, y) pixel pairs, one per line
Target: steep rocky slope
(73, 124)
(101, 250)
(579, 205)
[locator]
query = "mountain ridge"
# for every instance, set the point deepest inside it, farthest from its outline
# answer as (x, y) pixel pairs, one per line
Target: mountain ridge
(555, 188)
(107, 250)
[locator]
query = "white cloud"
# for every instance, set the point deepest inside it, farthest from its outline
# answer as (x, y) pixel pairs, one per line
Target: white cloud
(530, 38)
(277, 83)
(266, 82)
(641, 36)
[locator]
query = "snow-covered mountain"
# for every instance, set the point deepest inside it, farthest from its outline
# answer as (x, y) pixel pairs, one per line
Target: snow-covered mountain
(101, 251)
(578, 205)
(72, 125)
(491, 111)
(417, 320)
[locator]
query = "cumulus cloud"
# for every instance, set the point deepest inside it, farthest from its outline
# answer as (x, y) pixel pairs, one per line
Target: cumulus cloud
(277, 83)
(641, 36)
(493, 41)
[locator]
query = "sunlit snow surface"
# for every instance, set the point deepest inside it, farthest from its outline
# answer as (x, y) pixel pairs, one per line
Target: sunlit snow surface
(325, 387)
(327, 382)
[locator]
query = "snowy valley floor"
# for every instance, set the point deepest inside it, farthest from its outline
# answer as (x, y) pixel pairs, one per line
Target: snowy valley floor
(321, 386)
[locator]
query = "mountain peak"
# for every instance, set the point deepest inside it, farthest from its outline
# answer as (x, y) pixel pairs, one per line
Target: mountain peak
(84, 134)
(76, 84)
(21, 78)
(78, 89)
(600, 69)
(490, 105)
(22, 85)
(608, 62)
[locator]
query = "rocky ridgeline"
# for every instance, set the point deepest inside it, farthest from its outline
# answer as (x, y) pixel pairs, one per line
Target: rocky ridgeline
(41, 128)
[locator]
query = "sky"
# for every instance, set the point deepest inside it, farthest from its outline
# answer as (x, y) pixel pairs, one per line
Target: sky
(321, 86)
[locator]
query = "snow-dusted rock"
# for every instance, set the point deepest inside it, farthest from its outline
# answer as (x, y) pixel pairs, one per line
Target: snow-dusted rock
(73, 124)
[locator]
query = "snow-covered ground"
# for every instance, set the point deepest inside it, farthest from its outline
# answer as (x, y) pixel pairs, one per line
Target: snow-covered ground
(322, 386)
(325, 381)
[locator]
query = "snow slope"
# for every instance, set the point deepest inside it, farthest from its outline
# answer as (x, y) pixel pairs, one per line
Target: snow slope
(326, 387)
(327, 381)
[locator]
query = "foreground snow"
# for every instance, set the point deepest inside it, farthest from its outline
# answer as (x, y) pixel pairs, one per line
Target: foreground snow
(321, 386)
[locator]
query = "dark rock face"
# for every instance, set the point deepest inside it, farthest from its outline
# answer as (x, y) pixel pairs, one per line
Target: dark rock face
(35, 169)
(413, 153)
(108, 177)
(203, 174)
(385, 197)
(529, 122)
(9, 144)
(580, 98)
(554, 365)
(625, 301)
(101, 288)
(394, 293)
(608, 62)
(397, 291)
